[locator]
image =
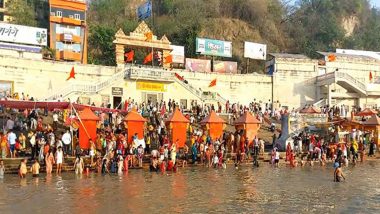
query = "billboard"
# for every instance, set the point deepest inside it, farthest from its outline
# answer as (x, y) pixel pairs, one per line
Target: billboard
(213, 47)
(178, 54)
(255, 50)
(225, 67)
(23, 34)
(198, 65)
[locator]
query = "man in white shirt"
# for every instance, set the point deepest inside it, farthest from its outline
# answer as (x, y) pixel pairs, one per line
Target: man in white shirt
(55, 121)
(10, 124)
(66, 139)
(12, 142)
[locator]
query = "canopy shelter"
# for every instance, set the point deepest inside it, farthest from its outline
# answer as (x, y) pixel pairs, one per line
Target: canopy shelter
(310, 110)
(87, 128)
(249, 124)
(141, 38)
(214, 125)
(366, 112)
(178, 126)
(134, 123)
(22, 104)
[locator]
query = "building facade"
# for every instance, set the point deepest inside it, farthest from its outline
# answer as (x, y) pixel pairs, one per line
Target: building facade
(68, 32)
(4, 14)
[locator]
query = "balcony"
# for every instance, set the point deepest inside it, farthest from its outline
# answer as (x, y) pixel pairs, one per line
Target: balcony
(65, 37)
(69, 55)
(65, 20)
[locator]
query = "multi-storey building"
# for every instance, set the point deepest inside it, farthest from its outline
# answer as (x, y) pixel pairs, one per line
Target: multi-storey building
(68, 33)
(4, 15)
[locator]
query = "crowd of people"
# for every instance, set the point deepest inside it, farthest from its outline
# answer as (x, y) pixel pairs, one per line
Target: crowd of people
(48, 143)
(310, 148)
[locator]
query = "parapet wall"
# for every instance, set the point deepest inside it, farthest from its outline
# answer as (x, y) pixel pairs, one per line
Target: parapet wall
(40, 78)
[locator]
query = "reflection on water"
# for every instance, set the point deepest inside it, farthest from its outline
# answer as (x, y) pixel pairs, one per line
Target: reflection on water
(198, 190)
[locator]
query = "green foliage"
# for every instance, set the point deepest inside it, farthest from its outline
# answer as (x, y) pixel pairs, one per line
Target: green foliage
(102, 50)
(22, 13)
(306, 27)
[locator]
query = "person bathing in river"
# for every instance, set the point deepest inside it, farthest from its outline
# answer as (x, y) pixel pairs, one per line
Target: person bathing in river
(338, 174)
(35, 169)
(154, 165)
(78, 165)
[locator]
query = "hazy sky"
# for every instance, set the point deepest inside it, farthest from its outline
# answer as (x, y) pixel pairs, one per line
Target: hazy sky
(375, 3)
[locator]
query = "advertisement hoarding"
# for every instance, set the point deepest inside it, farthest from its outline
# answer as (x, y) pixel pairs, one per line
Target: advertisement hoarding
(198, 65)
(23, 34)
(178, 54)
(213, 47)
(225, 67)
(255, 50)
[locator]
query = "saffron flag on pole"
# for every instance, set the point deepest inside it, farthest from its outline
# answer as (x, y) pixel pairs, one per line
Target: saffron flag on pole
(331, 57)
(148, 58)
(144, 11)
(168, 59)
(129, 56)
(212, 83)
(72, 74)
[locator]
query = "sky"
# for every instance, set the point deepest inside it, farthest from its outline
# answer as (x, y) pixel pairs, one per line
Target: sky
(376, 3)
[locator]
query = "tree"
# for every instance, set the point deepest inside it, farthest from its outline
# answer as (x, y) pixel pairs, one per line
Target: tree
(102, 49)
(22, 13)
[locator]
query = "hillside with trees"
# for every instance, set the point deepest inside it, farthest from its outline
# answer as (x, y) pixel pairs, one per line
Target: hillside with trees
(301, 26)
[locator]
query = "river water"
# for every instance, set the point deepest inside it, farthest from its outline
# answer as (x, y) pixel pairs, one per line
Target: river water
(198, 190)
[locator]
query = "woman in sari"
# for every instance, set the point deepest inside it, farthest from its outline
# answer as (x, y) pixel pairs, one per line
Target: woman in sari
(288, 152)
(49, 160)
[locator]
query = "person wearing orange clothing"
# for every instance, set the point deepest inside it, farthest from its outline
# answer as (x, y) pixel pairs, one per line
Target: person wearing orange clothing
(3, 144)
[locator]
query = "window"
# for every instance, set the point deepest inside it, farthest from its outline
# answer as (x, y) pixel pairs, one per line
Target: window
(59, 13)
(1, 16)
(77, 16)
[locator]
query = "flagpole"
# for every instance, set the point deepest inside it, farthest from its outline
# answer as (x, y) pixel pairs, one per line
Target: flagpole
(151, 2)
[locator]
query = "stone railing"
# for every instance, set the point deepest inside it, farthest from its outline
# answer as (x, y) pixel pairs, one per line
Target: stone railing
(351, 80)
(150, 73)
(86, 88)
(193, 90)
(343, 76)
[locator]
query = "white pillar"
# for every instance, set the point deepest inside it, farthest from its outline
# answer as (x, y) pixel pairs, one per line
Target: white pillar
(329, 95)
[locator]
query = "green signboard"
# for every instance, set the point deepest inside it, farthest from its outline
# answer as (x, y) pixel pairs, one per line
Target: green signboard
(213, 47)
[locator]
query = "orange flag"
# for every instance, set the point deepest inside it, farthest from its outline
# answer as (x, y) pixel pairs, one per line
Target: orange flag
(148, 58)
(212, 83)
(331, 57)
(370, 76)
(168, 59)
(129, 56)
(72, 74)
(149, 36)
